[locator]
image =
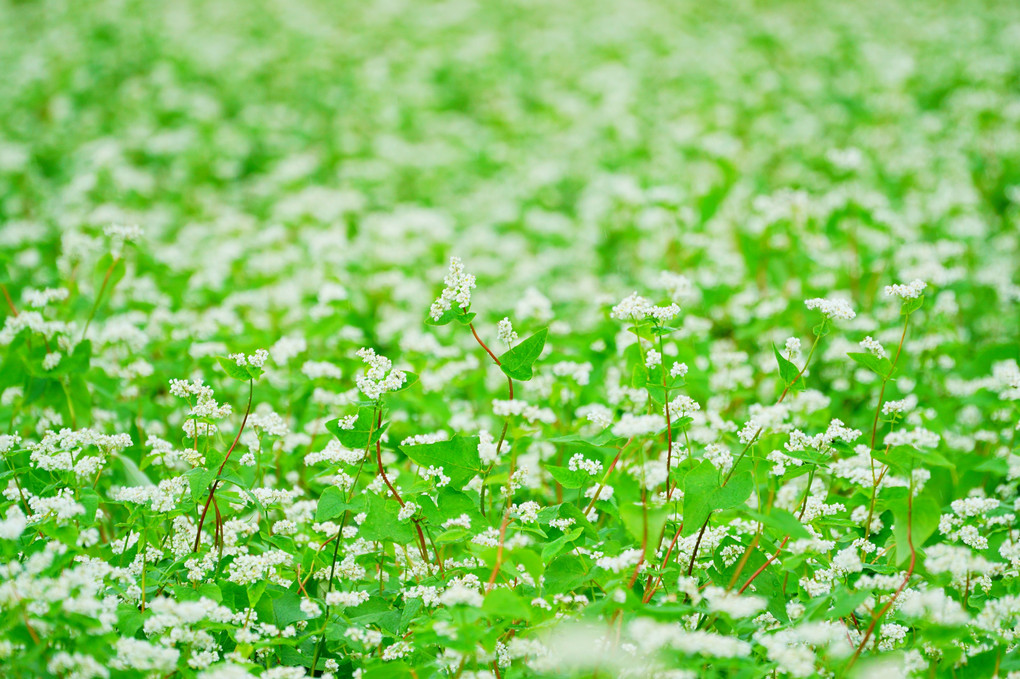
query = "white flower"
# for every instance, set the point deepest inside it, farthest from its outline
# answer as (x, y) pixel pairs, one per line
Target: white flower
(874, 347)
(346, 599)
(638, 425)
(836, 309)
(407, 511)
(911, 290)
(458, 289)
(257, 360)
(380, 377)
(580, 462)
(792, 348)
(505, 332)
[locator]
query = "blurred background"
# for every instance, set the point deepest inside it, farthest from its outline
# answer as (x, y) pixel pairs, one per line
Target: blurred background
(275, 149)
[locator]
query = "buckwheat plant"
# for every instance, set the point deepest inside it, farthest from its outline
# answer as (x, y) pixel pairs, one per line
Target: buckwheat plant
(723, 380)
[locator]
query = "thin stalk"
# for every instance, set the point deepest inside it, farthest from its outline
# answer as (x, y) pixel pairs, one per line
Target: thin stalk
(99, 297)
(605, 478)
(906, 579)
(216, 482)
(7, 296)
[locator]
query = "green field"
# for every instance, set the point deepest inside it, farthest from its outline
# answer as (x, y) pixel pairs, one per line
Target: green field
(500, 340)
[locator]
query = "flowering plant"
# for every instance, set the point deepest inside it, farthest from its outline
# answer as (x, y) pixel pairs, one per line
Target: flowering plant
(747, 406)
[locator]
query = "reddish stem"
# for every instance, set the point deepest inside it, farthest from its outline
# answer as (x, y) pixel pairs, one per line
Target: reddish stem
(10, 302)
(906, 579)
(651, 592)
(216, 482)
(765, 565)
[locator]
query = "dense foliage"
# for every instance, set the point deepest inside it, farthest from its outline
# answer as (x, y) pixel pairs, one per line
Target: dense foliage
(721, 380)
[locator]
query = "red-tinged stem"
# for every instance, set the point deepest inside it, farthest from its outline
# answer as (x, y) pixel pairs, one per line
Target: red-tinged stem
(503, 526)
(697, 543)
(216, 482)
(651, 592)
(396, 495)
(602, 484)
(906, 579)
(644, 540)
(484, 346)
(765, 565)
(744, 559)
(7, 296)
(506, 423)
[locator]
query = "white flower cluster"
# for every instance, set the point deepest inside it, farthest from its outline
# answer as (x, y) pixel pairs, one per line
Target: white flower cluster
(505, 332)
(458, 289)
(579, 462)
(919, 437)
(636, 307)
(836, 431)
(256, 360)
(380, 377)
(631, 425)
(346, 599)
(873, 347)
(911, 290)
(37, 299)
(836, 309)
(520, 408)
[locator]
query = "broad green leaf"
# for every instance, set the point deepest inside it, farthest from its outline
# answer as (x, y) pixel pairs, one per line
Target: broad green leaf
(457, 456)
(238, 372)
(381, 523)
(199, 480)
(911, 305)
(880, 366)
(364, 432)
(501, 603)
(634, 518)
(787, 370)
(925, 514)
(781, 523)
(518, 362)
(332, 504)
(571, 478)
(700, 484)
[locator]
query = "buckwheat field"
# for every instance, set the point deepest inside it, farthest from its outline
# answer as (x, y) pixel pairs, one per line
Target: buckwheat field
(471, 340)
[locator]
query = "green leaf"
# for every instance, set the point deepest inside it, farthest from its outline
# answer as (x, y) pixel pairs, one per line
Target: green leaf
(570, 478)
(911, 305)
(381, 523)
(552, 549)
(880, 366)
(781, 523)
(704, 494)
(517, 362)
(238, 372)
(845, 602)
(700, 484)
(502, 604)
(735, 492)
(634, 518)
(450, 315)
(457, 456)
(364, 433)
(90, 500)
(332, 504)
(199, 480)
(925, 514)
(787, 370)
